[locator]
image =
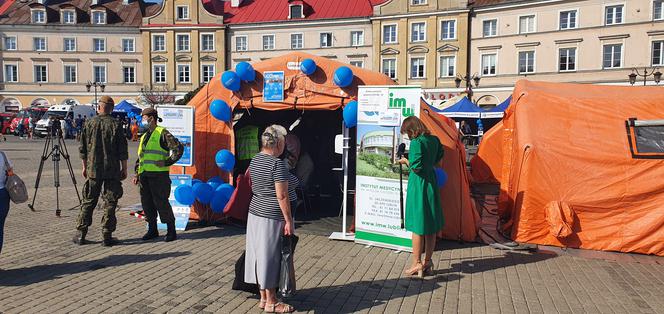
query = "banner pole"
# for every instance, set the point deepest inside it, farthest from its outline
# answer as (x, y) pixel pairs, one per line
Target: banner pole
(345, 146)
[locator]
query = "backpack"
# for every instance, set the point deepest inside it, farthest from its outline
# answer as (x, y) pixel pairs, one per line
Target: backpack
(18, 193)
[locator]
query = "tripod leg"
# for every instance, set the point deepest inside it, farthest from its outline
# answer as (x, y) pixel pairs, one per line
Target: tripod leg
(56, 178)
(44, 156)
(65, 155)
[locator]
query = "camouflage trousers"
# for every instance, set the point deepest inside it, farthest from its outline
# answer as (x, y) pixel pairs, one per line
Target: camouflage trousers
(92, 189)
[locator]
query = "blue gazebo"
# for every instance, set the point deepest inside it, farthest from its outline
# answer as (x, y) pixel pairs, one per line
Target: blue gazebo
(126, 107)
(464, 108)
(497, 112)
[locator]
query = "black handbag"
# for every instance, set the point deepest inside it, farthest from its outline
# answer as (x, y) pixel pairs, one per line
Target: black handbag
(238, 282)
(287, 274)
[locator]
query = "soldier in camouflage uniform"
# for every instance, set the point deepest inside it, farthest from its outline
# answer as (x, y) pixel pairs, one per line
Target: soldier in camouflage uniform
(103, 149)
(157, 151)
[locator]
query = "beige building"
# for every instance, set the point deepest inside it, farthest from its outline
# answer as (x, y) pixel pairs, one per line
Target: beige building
(593, 41)
(51, 50)
(422, 42)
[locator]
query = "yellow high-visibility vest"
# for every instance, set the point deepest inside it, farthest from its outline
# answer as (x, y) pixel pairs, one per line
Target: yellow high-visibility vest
(153, 152)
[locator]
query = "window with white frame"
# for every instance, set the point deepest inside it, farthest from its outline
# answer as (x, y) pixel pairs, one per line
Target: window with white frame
(69, 44)
(567, 59)
(41, 73)
(99, 44)
(129, 74)
(357, 63)
(207, 42)
(526, 24)
(657, 10)
(99, 73)
(417, 67)
(10, 43)
(158, 42)
(568, 19)
(240, 43)
(182, 12)
(39, 16)
(612, 56)
(526, 62)
(325, 40)
(418, 31)
(447, 66)
(39, 43)
(207, 72)
(658, 53)
(182, 42)
(447, 30)
(68, 17)
(489, 64)
(389, 68)
(389, 34)
(70, 73)
(489, 28)
(418, 2)
(98, 17)
(11, 73)
(297, 41)
(128, 45)
(268, 42)
(356, 38)
(296, 11)
(613, 14)
(159, 73)
(184, 71)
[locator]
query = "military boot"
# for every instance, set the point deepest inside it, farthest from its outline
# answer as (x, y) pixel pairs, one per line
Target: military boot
(79, 237)
(109, 240)
(152, 232)
(170, 233)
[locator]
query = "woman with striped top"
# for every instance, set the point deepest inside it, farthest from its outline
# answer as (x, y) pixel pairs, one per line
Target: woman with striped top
(269, 219)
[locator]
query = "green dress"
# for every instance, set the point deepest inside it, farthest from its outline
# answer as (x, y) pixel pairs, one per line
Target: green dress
(423, 212)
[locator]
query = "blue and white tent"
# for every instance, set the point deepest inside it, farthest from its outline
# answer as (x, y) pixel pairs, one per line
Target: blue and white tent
(497, 111)
(462, 109)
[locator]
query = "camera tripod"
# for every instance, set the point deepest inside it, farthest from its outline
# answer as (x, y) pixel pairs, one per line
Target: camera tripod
(55, 147)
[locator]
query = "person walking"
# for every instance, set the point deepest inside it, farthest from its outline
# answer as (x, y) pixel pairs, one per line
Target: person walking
(79, 127)
(134, 130)
(269, 218)
(157, 151)
(4, 195)
(423, 212)
(103, 149)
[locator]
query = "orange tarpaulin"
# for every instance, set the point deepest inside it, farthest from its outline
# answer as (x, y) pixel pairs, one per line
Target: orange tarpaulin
(568, 176)
(486, 166)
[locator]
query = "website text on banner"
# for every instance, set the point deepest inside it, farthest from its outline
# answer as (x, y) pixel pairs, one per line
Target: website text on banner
(381, 110)
(179, 120)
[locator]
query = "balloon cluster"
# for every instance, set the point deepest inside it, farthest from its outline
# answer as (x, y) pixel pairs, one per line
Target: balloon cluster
(243, 72)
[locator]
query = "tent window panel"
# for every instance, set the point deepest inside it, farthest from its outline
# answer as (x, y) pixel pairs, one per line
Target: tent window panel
(646, 138)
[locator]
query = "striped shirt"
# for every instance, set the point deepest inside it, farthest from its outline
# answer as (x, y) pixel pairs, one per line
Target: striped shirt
(293, 183)
(265, 170)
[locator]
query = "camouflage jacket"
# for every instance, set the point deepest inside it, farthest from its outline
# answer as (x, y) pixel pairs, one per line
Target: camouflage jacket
(168, 142)
(104, 146)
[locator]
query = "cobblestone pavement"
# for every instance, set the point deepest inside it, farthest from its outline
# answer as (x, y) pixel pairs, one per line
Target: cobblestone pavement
(43, 272)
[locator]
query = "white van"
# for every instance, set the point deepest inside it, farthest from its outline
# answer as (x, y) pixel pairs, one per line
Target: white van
(65, 111)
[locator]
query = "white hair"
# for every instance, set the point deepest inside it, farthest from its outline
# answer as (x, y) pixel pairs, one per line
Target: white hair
(273, 135)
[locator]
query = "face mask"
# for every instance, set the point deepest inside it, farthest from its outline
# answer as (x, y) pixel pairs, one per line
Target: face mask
(145, 123)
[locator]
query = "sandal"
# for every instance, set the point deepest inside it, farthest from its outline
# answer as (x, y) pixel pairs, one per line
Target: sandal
(428, 267)
(261, 304)
(416, 271)
(279, 308)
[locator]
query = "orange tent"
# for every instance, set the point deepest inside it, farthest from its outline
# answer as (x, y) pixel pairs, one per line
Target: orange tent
(486, 166)
(314, 92)
(569, 178)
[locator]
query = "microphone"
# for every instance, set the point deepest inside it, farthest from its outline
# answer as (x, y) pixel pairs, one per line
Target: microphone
(401, 150)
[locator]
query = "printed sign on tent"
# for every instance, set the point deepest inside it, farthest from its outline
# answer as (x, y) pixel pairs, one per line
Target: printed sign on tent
(180, 211)
(273, 86)
(179, 120)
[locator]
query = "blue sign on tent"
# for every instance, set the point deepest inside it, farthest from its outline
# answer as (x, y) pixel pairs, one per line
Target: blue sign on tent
(273, 86)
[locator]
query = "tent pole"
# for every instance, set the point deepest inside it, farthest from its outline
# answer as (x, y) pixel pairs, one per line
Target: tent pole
(346, 145)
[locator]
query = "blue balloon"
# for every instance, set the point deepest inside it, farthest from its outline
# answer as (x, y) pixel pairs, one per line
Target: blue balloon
(215, 182)
(184, 195)
(245, 71)
(220, 110)
(343, 76)
(225, 160)
(203, 192)
(350, 114)
(308, 66)
(218, 203)
(194, 181)
(231, 81)
(441, 177)
(226, 189)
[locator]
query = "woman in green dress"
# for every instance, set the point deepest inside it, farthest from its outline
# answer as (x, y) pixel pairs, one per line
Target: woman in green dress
(423, 213)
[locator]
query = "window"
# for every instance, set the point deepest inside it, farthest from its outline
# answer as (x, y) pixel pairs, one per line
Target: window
(356, 38)
(447, 30)
(10, 43)
(526, 62)
(418, 2)
(645, 138)
(69, 44)
(99, 44)
(207, 72)
(159, 73)
(41, 74)
(128, 45)
(325, 40)
(417, 67)
(612, 56)
(11, 73)
(207, 42)
(390, 68)
(296, 11)
(658, 53)
(567, 59)
(658, 8)
(70, 73)
(39, 43)
(182, 41)
(297, 41)
(158, 43)
(490, 28)
(98, 17)
(489, 64)
(614, 14)
(268, 42)
(183, 12)
(129, 74)
(183, 74)
(447, 66)
(526, 24)
(359, 64)
(38, 16)
(241, 43)
(568, 19)
(99, 73)
(68, 17)
(389, 34)
(418, 32)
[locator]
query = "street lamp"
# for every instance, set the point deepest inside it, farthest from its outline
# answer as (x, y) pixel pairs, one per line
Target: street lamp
(95, 85)
(654, 72)
(475, 78)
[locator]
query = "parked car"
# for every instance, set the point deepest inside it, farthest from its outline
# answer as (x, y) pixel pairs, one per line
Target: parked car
(24, 116)
(7, 121)
(63, 111)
